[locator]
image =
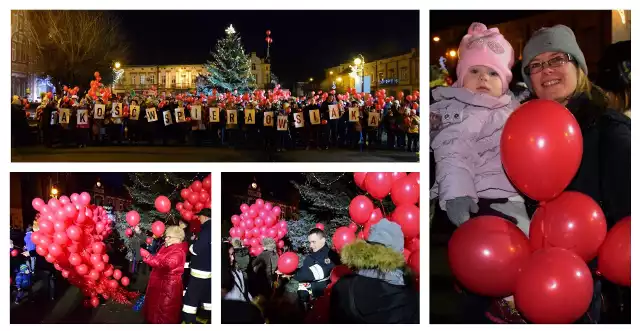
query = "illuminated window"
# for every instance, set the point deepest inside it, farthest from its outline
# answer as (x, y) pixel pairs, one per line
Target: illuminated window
(404, 73)
(142, 79)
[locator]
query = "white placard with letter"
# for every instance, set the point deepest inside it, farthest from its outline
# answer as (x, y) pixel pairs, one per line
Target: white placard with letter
(283, 123)
(152, 115)
(65, 113)
(167, 117)
(334, 113)
(268, 118)
(116, 110)
(214, 115)
(298, 120)
(98, 111)
(134, 112)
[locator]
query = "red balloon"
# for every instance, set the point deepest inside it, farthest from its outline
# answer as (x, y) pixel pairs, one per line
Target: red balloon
(204, 196)
(407, 255)
(14, 252)
(109, 272)
(288, 263)
(414, 262)
(408, 217)
(98, 248)
(196, 186)
(412, 245)
(338, 272)
(113, 284)
(70, 211)
(541, 157)
(375, 217)
(133, 218)
(269, 221)
(320, 226)
(99, 266)
(405, 191)
(128, 232)
(163, 204)
(94, 274)
(149, 240)
(614, 258)
(571, 221)
(65, 273)
(84, 199)
(157, 228)
(50, 258)
(378, 184)
(41, 250)
(244, 207)
(35, 237)
(206, 183)
(74, 233)
(82, 269)
(55, 250)
(37, 204)
(486, 255)
(360, 209)
(61, 238)
(198, 207)
(117, 274)
(95, 302)
(59, 225)
(359, 177)
(276, 211)
(105, 258)
(353, 227)
(395, 176)
(125, 281)
(342, 237)
(555, 286)
(45, 226)
(184, 193)
(187, 206)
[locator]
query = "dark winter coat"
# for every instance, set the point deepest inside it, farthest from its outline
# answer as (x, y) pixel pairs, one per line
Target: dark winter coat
(316, 269)
(163, 300)
(263, 271)
(241, 256)
(605, 170)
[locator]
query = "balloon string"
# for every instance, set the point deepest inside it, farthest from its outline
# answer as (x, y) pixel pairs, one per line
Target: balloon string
(384, 213)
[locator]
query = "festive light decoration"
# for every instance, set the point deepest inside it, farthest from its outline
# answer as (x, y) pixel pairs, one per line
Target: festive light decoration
(230, 68)
(230, 30)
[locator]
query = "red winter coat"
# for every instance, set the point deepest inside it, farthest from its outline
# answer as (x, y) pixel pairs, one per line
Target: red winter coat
(163, 300)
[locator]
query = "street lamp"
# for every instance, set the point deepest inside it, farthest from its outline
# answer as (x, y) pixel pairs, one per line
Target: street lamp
(360, 61)
(339, 79)
(330, 72)
(54, 191)
(453, 53)
(98, 184)
(311, 79)
(436, 38)
(117, 65)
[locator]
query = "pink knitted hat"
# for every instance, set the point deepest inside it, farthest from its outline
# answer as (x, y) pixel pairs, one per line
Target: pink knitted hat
(486, 47)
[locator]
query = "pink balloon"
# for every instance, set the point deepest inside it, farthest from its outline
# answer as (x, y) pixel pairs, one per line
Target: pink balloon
(244, 207)
(272, 233)
(196, 186)
(320, 226)
(133, 218)
(125, 281)
(70, 211)
(260, 203)
(276, 211)
(263, 229)
(74, 197)
(269, 221)
(263, 213)
(235, 219)
(258, 221)
(233, 232)
(282, 225)
(117, 274)
(37, 204)
(61, 238)
(246, 242)
(162, 204)
(85, 198)
(281, 233)
(268, 206)
(280, 244)
(255, 232)
(64, 200)
(253, 213)
(157, 228)
(94, 275)
(249, 224)
(54, 204)
(353, 227)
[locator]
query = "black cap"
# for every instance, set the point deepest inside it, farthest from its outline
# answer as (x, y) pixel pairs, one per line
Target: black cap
(205, 212)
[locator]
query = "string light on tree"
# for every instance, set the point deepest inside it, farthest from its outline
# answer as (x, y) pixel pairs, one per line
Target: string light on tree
(230, 29)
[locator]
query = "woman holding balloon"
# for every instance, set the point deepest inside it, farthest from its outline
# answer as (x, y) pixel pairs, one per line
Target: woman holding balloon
(586, 152)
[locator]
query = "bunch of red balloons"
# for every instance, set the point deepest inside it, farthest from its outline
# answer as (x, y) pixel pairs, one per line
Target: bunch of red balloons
(70, 234)
(256, 222)
(547, 273)
(196, 197)
(404, 190)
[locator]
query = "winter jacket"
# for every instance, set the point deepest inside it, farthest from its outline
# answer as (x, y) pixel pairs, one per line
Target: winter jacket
(263, 270)
(201, 251)
(28, 243)
(358, 299)
(241, 256)
(605, 170)
(163, 299)
(414, 124)
(467, 146)
(316, 269)
(23, 278)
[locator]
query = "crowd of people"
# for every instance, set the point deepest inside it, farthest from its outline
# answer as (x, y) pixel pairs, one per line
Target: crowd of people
(289, 124)
(178, 265)
(367, 282)
(467, 119)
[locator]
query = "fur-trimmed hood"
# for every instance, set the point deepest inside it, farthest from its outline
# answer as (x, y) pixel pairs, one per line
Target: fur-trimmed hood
(363, 255)
(269, 244)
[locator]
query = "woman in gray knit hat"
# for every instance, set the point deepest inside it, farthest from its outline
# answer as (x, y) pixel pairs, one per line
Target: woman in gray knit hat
(554, 68)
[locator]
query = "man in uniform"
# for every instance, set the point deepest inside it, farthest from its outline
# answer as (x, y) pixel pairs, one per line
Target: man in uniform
(199, 290)
(314, 275)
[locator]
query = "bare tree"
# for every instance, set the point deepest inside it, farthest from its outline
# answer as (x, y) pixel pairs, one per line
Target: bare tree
(73, 44)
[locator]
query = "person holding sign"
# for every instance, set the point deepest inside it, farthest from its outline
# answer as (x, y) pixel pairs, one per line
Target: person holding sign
(249, 127)
(82, 124)
(413, 132)
(132, 123)
(353, 125)
(312, 130)
(115, 127)
(267, 127)
(231, 120)
(49, 127)
(282, 135)
(330, 107)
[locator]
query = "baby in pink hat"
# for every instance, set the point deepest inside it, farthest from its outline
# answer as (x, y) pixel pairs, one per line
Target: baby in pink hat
(466, 142)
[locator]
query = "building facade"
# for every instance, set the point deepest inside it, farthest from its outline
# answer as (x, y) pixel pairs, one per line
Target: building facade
(178, 78)
(594, 30)
(23, 78)
(395, 74)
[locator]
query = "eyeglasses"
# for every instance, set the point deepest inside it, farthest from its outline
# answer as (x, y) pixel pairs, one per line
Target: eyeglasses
(555, 62)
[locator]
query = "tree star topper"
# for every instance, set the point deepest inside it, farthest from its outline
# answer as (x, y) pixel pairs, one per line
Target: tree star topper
(230, 29)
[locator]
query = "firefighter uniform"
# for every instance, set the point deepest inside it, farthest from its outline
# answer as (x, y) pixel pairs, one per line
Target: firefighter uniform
(198, 294)
(315, 274)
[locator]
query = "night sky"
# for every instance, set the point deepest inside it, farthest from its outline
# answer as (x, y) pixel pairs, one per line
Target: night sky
(304, 42)
(442, 19)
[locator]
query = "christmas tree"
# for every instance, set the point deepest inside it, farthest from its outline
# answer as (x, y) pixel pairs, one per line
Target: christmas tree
(144, 188)
(231, 67)
(325, 198)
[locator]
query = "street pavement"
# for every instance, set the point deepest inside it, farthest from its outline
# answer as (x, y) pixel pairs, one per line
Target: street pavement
(202, 154)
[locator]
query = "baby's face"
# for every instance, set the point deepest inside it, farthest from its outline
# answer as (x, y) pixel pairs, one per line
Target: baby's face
(481, 79)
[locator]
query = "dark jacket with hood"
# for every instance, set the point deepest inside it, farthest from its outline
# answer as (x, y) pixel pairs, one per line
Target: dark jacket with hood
(358, 299)
(605, 170)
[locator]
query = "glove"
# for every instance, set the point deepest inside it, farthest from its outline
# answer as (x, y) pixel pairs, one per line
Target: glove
(459, 209)
(144, 253)
(516, 210)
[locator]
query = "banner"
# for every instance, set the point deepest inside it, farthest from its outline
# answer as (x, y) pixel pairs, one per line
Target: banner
(196, 112)
(249, 116)
(83, 117)
(374, 118)
(152, 115)
(268, 118)
(116, 110)
(354, 114)
(134, 112)
(214, 115)
(64, 115)
(167, 117)
(98, 112)
(54, 118)
(232, 116)
(179, 112)
(334, 113)
(314, 116)
(283, 123)
(298, 120)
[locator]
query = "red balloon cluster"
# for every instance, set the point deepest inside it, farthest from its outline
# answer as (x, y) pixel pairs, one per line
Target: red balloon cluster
(405, 193)
(256, 222)
(71, 235)
(196, 197)
(98, 90)
(547, 274)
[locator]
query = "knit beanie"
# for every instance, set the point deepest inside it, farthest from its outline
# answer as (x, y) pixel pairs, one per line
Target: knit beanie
(388, 234)
(558, 38)
(485, 47)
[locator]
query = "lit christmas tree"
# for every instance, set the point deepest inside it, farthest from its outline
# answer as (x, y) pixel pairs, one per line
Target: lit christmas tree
(325, 198)
(231, 67)
(144, 190)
